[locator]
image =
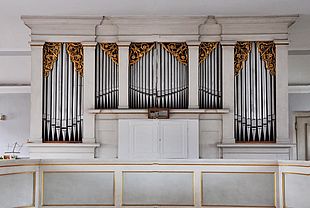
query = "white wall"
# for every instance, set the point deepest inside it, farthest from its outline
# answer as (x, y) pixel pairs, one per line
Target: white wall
(299, 69)
(15, 128)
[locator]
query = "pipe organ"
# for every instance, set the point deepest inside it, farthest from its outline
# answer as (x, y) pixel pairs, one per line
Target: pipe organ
(224, 77)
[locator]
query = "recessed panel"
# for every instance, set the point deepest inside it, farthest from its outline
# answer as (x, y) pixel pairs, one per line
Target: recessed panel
(17, 190)
(78, 188)
(158, 188)
(297, 190)
(238, 189)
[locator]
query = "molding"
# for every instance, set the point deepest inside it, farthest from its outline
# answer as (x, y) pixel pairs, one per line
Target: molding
(61, 150)
(298, 52)
(287, 19)
(15, 53)
(62, 28)
(294, 89)
(9, 89)
(172, 111)
(157, 28)
(253, 145)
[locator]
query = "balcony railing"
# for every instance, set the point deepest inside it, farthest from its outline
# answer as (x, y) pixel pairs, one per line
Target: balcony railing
(173, 183)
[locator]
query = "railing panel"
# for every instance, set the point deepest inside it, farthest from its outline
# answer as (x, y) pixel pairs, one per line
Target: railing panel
(78, 188)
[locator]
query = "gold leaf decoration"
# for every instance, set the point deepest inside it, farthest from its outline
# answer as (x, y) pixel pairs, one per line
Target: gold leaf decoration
(205, 49)
(137, 51)
(267, 50)
(75, 51)
(178, 50)
(50, 56)
(111, 50)
(242, 50)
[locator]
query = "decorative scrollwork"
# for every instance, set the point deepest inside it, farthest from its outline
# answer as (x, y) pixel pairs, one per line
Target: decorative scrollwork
(50, 56)
(178, 50)
(205, 49)
(137, 50)
(242, 50)
(75, 51)
(111, 49)
(267, 50)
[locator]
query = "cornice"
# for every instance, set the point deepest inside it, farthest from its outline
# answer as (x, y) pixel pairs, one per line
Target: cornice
(288, 19)
(31, 21)
(157, 28)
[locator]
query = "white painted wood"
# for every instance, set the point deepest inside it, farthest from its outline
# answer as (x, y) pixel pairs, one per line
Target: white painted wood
(282, 92)
(238, 189)
(89, 92)
(155, 139)
(158, 182)
(257, 151)
(62, 28)
(297, 190)
(67, 187)
(158, 188)
(193, 62)
(20, 185)
(143, 139)
(299, 89)
(36, 92)
(123, 74)
(9, 89)
(173, 138)
(303, 138)
(228, 91)
(61, 150)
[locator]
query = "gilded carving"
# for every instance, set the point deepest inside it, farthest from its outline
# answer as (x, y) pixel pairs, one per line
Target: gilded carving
(267, 50)
(75, 51)
(178, 50)
(50, 56)
(242, 50)
(111, 50)
(205, 49)
(137, 51)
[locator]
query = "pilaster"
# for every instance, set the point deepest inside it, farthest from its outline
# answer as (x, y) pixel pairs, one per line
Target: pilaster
(36, 92)
(89, 92)
(228, 91)
(193, 63)
(282, 119)
(123, 51)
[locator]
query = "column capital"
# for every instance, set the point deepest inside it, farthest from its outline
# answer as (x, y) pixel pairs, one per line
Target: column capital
(193, 43)
(36, 43)
(123, 44)
(282, 42)
(225, 43)
(89, 44)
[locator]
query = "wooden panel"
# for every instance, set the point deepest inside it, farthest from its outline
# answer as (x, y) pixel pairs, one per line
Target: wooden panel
(238, 189)
(158, 188)
(144, 142)
(78, 188)
(17, 189)
(173, 138)
(296, 190)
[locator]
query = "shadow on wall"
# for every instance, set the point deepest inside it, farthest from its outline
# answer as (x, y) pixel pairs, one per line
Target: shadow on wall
(16, 126)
